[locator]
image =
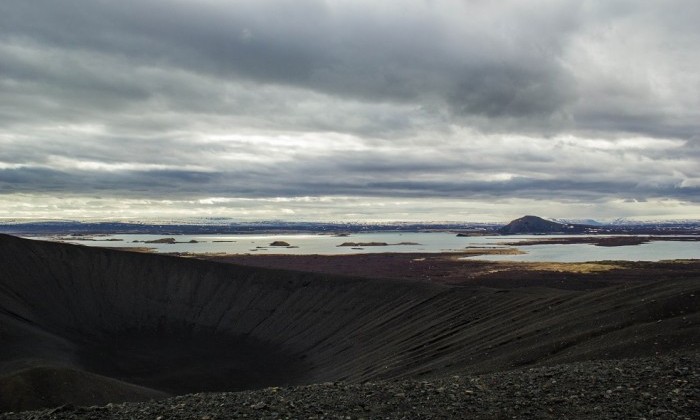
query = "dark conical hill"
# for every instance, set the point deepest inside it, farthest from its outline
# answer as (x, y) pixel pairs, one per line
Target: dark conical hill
(535, 224)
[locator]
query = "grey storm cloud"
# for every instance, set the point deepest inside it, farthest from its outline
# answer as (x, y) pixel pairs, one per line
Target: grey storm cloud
(460, 99)
(481, 60)
(476, 58)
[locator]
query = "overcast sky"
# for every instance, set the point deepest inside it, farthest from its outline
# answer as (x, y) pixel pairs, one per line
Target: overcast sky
(468, 110)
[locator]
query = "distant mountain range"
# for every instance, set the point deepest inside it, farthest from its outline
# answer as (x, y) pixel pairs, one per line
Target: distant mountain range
(587, 222)
(210, 227)
(527, 224)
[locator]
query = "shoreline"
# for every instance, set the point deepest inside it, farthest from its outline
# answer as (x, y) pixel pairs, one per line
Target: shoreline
(604, 241)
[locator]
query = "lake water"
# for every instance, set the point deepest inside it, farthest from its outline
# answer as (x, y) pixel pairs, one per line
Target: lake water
(652, 251)
(305, 244)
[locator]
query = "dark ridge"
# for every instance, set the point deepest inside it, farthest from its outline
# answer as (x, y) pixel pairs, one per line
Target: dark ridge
(49, 386)
(85, 326)
(534, 224)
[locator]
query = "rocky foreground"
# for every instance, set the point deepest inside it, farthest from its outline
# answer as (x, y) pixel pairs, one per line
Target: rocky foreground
(665, 387)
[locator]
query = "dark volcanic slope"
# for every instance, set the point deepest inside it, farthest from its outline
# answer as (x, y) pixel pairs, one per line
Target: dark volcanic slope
(87, 326)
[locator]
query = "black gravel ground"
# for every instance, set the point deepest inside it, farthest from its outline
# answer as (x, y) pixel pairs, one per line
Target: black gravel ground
(665, 387)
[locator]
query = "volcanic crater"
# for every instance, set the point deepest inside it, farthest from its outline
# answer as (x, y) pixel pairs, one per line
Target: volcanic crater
(89, 326)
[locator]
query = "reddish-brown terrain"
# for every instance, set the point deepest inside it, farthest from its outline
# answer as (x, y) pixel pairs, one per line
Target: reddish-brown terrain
(453, 269)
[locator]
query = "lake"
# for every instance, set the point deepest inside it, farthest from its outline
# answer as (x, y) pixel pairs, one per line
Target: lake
(304, 244)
